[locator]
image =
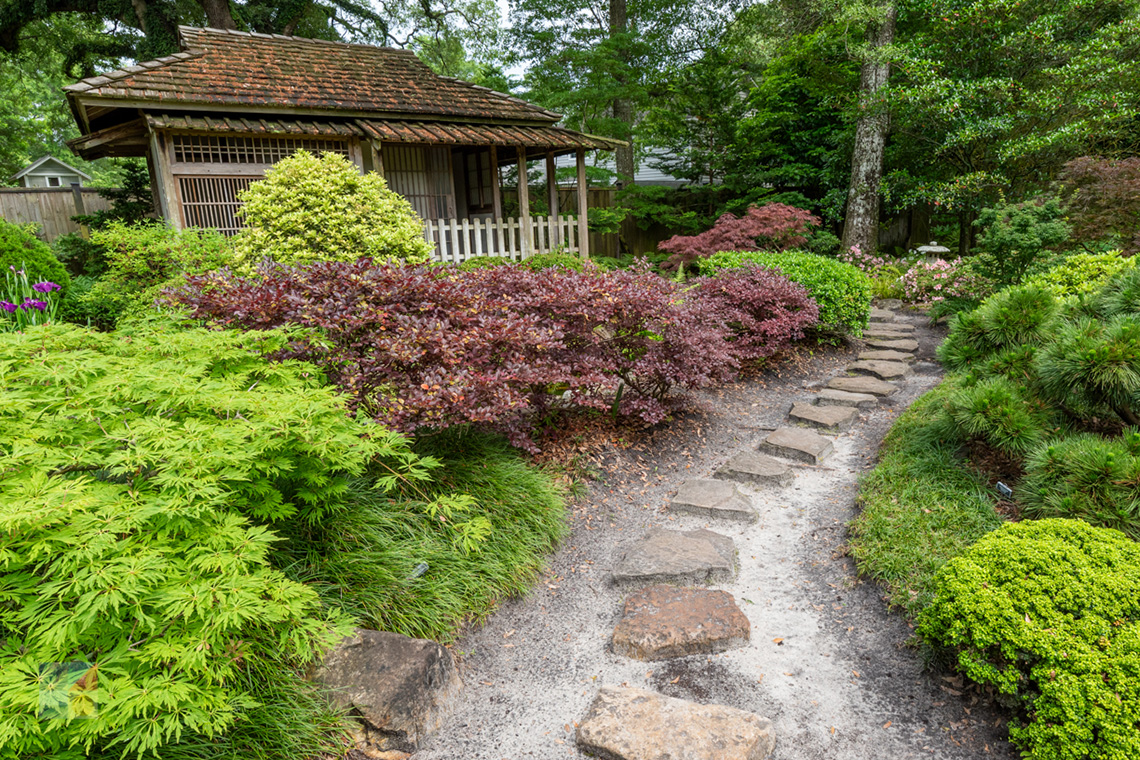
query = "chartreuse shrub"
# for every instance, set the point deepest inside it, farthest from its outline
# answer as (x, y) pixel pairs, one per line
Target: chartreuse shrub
(22, 250)
(554, 259)
(1048, 613)
(1081, 273)
(311, 208)
(482, 262)
(143, 474)
(842, 291)
(143, 259)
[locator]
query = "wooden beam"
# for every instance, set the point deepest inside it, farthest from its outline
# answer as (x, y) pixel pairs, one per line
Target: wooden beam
(583, 228)
(167, 192)
(377, 150)
(496, 191)
(552, 195)
(524, 205)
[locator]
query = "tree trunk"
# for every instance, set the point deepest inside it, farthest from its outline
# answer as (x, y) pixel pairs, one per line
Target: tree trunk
(861, 223)
(622, 106)
(218, 14)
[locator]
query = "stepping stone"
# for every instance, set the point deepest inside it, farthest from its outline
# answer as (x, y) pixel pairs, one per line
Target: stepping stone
(635, 724)
(870, 385)
(888, 331)
(752, 467)
(881, 315)
(832, 397)
(797, 443)
(894, 344)
(886, 356)
(836, 419)
(889, 303)
(881, 370)
(671, 556)
(663, 622)
(712, 498)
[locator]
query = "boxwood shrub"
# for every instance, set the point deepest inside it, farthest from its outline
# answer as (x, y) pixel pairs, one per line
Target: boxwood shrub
(842, 291)
(1048, 613)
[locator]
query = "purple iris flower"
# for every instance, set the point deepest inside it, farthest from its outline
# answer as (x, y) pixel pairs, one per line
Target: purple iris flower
(30, 304)
(45, 287)
(8, 306)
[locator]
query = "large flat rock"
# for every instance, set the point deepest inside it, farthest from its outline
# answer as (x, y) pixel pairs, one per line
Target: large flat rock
(835, 419)
(663, 622)
(871, 385)
(398, 689)
(712, 498)
(832, 397)
(886, 356)
(880, 369)
(889, 303)
(671, 556)
(753, 467)
(894, 344)
(881, 315)
(798, 444)
(633, 724)
(888, 331)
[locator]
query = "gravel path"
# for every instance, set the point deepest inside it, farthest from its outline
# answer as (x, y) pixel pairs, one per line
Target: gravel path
(827, 663)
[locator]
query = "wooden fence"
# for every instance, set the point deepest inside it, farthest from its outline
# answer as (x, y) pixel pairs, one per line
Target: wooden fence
(50, 207)
(457, 240)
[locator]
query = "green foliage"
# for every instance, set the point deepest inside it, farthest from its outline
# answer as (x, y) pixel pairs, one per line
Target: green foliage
(143, 260)
(82, 257)
(1092, 365)
(606, 221)
(842, 291)
(1014, 236)
(998, 412)
(919, 506)
(311, 208)
(1048, 612)
(363, 557)
(1081, 273)
(1120, 295)
(1013, 317)
(553, 260)
(1088, 477)
(20, 249)
(140, 470)
(482, 262)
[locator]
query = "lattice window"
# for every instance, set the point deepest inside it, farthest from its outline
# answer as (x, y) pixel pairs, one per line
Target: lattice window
(423, 176)
(212, 201)
(215, 149)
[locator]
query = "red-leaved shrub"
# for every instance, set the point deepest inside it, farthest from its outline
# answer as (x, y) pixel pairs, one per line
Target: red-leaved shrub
(1102, 199)
(772, 227)
(419, 346)
(765, 310)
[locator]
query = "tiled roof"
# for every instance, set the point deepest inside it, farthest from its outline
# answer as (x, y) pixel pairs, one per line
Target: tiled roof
(251, 126)
(440, 133)
(237, 69)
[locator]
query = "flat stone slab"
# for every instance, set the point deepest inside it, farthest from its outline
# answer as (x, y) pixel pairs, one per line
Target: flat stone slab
(888, 331)
(672, 556)
(889, 303)
(836, 419)
(712, 498)
(881, 370)
(832, 397)
(886, 356)
(894, 344)
(753, 467)
(798, 444)
(633, 724)
(663, 622)
(882, 315)
(871, 385)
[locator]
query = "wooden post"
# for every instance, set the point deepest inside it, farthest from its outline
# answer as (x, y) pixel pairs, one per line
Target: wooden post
(80, 210)
(524, 206)
(583, 229)
(167, 195)
(377, 156)
(496, 191)
(552, 197)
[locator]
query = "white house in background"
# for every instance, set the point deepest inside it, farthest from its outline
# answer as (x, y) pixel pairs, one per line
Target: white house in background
(49, 172)
(645, 174)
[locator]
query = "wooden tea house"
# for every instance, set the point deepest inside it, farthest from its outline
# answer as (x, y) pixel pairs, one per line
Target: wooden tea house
(213, 118)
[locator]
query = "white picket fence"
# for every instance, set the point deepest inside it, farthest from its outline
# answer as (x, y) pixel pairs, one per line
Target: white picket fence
(457, 240)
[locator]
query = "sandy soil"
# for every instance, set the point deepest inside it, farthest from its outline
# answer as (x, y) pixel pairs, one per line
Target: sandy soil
(828, 663)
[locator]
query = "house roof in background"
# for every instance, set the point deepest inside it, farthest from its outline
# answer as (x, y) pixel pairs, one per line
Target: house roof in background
(44, 160)
(258, 71)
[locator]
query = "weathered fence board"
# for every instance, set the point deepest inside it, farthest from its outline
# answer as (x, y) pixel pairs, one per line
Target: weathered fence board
(50, 207)
(457, 240)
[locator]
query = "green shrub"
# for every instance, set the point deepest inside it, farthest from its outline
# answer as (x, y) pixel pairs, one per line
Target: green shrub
(1011, 318)
(482, 262)
(842, 291)
(1088, 477)
(142, 261)
(323, 209)
(140, 471)
(919, 507)
(554, 260)
(1093, 365)
(1015, 235)
(82, 258)
(1048, 612)
(997, 411)
(363, 557)
(1081, 273)
(20, 249)
(1120, 295)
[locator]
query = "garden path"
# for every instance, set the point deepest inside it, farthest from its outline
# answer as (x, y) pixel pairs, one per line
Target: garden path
(826, 661)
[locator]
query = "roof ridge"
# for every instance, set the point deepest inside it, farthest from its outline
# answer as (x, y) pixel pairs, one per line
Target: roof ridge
(88, 83)
(290, 38)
